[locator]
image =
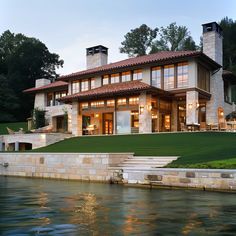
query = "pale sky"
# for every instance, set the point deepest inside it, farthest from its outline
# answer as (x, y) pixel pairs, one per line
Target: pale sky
(67, 27)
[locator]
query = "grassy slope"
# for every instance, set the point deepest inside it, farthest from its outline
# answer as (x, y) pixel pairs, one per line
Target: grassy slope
(14, 126)
(193, 148)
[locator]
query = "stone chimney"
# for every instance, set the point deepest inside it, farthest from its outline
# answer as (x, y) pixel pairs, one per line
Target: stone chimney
(96, 56)
(41, 82)
(213, 48)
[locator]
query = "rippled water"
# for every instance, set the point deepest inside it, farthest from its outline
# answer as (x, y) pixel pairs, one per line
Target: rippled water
(50, 207)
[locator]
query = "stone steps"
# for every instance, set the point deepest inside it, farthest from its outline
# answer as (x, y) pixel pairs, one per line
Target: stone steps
(146, 162)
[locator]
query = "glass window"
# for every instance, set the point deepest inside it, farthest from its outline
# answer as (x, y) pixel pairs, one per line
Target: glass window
(97, 104)
(203, 78)
(84, 85)
(115, 78)
(59, 95)
(123, 122)
(134, 119)
(110, 103)
(105, 80)
(126, 76)
(75, 87)
(169, 77)
(121, 101)
(156, 77)
(50, 99)
(134, 101)
(182, 75)
(84, 105)
(92, 83)
(138, 74)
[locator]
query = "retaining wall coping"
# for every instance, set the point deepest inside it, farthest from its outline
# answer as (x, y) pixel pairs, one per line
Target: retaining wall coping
(66, 153)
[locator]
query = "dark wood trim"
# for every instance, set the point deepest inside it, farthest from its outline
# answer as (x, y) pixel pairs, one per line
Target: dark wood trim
(175, 75)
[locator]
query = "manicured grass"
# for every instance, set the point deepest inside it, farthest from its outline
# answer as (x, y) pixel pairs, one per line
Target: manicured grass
(14, 126)
(193, 148)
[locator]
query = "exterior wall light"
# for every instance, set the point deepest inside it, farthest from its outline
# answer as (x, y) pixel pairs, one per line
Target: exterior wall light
(190, 105)
(141, 109)
(96, 115)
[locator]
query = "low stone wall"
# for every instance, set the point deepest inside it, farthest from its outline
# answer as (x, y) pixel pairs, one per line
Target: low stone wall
(74, 166)
(36, 139)
(206, 179)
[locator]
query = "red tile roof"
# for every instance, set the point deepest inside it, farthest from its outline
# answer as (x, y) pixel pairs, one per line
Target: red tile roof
(57, 84)
(161, 57)
(111, 90)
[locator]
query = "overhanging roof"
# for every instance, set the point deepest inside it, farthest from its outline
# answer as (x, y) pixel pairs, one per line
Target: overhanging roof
(162, 57)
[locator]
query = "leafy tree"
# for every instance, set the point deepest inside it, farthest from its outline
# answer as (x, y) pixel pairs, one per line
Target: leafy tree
(39, 120)
(22, 61)
(174, 38)
(8, 101)
(138, 41)
(229, 44)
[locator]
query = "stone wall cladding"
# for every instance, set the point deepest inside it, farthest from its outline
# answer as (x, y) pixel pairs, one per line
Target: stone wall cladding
(206, 179)
(73, 166)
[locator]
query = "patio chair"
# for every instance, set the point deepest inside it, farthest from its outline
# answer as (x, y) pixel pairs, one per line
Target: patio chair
(215, 127)
(183, 127)
(223, 126)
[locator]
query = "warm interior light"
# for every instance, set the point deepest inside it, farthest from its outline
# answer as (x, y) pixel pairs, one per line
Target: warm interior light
(96, 115)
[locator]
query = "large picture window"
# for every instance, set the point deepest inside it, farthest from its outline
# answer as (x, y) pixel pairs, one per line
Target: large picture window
(75, 87)
(105, 80)
(156, 77)
(123, 122)
(203, 78)
(126, 76)
(182, 75)
(169, 77)
(92, 83)
(115, 78)
(84, 85)
(138, 74)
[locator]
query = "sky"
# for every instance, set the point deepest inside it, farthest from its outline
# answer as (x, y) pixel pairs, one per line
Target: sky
(68, 27)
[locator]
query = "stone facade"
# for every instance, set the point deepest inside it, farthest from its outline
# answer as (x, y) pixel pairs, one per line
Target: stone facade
(145, 115)
(73, 166)
(192, 107)
(205, 179)
(37, 140)
(98, 59)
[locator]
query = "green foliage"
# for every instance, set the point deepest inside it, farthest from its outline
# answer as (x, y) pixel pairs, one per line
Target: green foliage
(38, 118)
(174, 38)
(138, 41)
(65, 121)
(141, 41)
(14, 126)
(22, 61)
(229, 44)
(193, 148)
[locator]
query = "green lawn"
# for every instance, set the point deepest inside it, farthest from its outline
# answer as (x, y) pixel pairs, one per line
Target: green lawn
(14, 126)
(194, 149)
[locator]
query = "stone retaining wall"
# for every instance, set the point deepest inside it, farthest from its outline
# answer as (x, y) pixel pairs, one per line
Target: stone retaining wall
(206, 179)
(74, 166)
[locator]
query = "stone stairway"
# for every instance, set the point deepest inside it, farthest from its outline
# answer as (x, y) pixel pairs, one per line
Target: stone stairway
(146, 162)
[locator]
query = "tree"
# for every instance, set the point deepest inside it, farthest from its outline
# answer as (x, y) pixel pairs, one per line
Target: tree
(174, 38)
(8, 101)
(22, 61)
(229, 44)
(138, 41)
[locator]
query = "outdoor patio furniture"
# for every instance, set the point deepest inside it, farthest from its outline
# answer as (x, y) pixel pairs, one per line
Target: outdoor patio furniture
(193, 126)
(223, 126)
(183, 127)
(214, 127)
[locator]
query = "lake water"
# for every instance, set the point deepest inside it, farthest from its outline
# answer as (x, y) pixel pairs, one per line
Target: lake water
(51, 207)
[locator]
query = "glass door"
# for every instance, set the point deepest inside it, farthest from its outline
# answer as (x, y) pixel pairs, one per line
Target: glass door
(108, 123)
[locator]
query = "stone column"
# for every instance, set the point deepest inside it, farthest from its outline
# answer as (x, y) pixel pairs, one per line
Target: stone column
(145, 113)
(192, 107)
(17, 146)
(76, 119)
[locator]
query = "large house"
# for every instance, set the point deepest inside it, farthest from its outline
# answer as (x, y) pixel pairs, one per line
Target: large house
(165, 91)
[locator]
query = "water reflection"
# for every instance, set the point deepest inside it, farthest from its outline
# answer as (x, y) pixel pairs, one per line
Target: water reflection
(47, 207)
